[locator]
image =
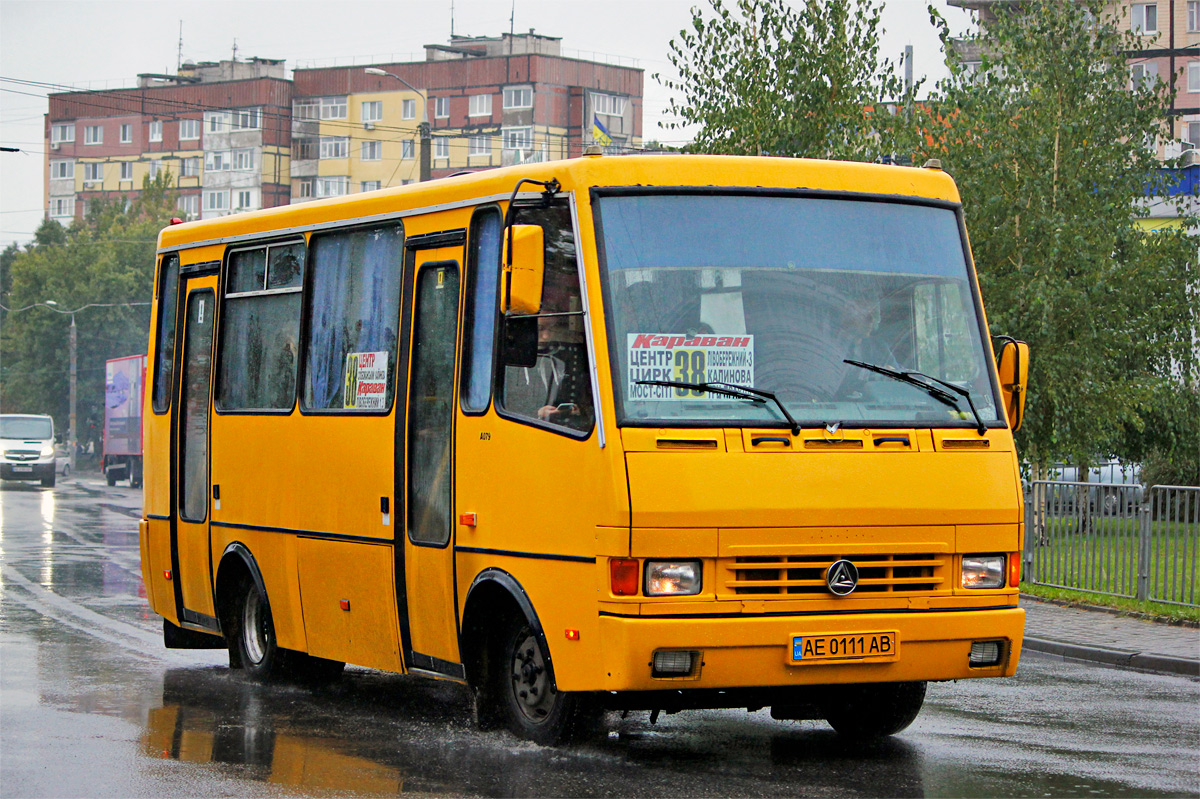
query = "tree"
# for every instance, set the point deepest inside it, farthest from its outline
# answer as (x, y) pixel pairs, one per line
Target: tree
(107, 258)
(1048, 144)
(767, 79)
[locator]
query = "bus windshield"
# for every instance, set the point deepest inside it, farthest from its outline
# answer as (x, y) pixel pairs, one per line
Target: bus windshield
(780, 294)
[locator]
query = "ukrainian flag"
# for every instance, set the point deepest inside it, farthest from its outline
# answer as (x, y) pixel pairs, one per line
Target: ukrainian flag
(599, 132)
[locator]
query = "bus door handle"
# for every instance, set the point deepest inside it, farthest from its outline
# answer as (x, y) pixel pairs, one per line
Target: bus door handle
(893, 440)
(764, 439)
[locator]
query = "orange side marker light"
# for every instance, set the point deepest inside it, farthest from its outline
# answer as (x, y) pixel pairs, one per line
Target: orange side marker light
(167, 573)
(572, 635)
(1014, 569)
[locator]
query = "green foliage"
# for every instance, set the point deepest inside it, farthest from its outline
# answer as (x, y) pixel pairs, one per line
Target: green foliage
(767, 79)
(106, 259)
(1046, 141)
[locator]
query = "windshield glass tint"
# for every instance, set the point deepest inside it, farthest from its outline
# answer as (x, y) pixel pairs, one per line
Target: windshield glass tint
(776, 293)
(30, 427)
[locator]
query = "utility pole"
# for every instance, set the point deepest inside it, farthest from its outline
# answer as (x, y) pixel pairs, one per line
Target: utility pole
(426, 152)
(74, 430)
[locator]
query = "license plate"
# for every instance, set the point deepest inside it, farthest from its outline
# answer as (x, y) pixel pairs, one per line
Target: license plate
(22, 468)
(850, 646)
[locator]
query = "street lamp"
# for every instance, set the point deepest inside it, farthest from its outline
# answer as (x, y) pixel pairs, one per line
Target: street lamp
(422, 128)
(72, 432)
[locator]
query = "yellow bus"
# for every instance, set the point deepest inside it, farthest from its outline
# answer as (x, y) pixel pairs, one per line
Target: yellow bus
(638, 432)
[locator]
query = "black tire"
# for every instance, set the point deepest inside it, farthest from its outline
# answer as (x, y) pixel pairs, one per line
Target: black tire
(66, 471)
(48, 482)
(253, 635)
(523, 687)
(135, 475)
(872, 710)
(110, 475)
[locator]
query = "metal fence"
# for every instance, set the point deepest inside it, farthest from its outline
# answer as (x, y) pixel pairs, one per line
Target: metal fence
(1119, 540)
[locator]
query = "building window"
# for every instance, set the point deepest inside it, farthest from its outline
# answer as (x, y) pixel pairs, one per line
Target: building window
(189, 205)
(62, 133)
(608, 104)
(518, 138)
(305, 188)
(441, 105)
(218, 121)
(189, 129)
(408, 109)
(332, 187)
(93, 171)
(335, 147)
(191, 168)
(156, 130)
(1194, 76)
(216, 200)
(406, 150)
(441, 147)
(372, 185)
(306, 109)
(304, 148)
(217, 161)
(93, 134)
(372, 151)
(518, 97)
(372, 111)
(126, 170)
(333, 108)
(480, 105)
(62, 170)
(1191, 134)
(1143, 18)
(126, 133)
(243, 159)
(62, 207)
(480, 145)
(1193, 16)
(247, 119)
(153, 169)
(245, 200)
(1143, 76)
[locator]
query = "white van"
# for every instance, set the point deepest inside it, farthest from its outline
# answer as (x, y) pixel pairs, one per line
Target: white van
(27, 448)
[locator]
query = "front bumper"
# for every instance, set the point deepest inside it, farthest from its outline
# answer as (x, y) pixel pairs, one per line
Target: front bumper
(739, 651)
(26, 471)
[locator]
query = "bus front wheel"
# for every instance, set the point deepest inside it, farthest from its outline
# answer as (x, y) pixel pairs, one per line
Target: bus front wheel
(529, 700)
(254, 639)
(872, 710)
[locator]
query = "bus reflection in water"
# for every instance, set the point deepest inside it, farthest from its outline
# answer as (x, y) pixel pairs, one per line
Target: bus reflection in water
(610, 433)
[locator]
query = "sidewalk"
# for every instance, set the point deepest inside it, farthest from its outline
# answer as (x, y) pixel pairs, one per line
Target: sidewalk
(1099, 637)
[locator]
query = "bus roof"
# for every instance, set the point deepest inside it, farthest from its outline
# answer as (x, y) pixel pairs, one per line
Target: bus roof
(589, 171)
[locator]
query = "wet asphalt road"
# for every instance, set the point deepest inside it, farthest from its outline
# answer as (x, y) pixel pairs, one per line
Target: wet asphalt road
(91, 704)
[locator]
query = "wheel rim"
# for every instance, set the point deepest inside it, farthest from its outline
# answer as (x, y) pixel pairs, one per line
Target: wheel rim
(531, 685)
(253, 635)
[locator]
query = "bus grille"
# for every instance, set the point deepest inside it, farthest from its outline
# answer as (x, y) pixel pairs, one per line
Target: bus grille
(805, 574)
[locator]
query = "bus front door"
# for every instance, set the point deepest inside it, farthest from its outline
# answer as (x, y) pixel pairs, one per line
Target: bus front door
(190, 543)
(428, 452)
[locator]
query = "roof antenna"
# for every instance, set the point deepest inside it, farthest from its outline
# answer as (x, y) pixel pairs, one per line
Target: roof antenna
(179, 57)
(451, 20)
(235, 51)
(512, 26)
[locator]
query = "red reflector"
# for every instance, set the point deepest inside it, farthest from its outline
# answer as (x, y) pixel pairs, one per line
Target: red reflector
(1014, 569)
(176, 220)
(345, 603)
(167, 573)
(572, 635)
(467, 519)
(624, 573)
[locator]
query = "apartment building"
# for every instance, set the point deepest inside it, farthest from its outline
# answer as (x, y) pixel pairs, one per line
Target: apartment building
(477, 103)
(240, 135)
(221, 129)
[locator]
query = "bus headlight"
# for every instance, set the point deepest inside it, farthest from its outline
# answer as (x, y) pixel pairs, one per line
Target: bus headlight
(672, 577)
(983, 571)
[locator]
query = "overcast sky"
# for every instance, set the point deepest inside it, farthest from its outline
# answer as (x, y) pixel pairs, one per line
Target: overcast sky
(98, 44)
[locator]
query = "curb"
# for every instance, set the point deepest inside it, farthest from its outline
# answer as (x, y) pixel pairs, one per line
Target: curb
(1120, 658)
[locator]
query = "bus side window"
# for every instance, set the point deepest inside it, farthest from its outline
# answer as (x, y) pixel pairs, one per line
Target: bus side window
(164, 347)
(557, 389)
(483, 274)
(354, 319)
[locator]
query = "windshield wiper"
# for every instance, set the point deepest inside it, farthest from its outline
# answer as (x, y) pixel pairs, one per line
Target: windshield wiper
(933, 390)
(729, 390)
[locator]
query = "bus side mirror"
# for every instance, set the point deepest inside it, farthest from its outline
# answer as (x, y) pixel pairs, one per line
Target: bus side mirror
(1013, 366)
(524, 268)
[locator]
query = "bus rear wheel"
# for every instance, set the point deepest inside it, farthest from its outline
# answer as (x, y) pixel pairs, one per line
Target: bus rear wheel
(872, 710)
(254, 634)
(524, 687)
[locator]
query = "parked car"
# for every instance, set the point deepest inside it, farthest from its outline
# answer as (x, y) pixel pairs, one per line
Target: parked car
(1112, 489)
